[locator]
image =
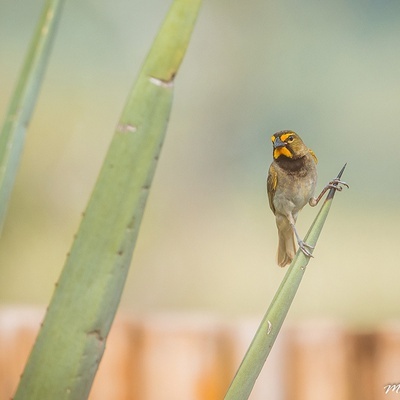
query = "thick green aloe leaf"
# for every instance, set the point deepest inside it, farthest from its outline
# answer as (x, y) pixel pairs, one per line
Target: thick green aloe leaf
(71, 342)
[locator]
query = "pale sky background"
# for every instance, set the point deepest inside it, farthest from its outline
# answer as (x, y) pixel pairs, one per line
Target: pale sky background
(328, 70)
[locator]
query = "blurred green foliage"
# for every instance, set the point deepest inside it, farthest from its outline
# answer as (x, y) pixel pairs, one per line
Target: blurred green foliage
(328, 70)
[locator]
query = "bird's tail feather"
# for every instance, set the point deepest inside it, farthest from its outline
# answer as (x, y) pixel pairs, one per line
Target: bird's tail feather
(286, 247)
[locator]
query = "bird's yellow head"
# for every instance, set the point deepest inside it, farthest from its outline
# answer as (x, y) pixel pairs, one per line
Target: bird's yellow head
(288, 144)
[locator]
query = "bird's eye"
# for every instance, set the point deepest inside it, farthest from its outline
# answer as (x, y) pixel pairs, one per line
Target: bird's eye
(290, 139)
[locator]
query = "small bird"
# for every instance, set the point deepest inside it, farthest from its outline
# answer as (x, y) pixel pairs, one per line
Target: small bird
(291, 182)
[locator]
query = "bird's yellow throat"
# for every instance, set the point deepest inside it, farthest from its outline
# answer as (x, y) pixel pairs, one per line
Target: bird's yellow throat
(282, 151)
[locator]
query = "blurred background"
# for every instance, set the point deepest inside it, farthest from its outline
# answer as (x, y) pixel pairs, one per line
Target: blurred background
(328, 70)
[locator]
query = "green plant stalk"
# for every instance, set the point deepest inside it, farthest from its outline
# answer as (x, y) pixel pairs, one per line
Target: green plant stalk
(71, 341)
(23, 100)
(262, 343)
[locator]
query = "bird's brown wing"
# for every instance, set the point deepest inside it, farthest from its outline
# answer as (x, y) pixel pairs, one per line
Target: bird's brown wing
(272, 182)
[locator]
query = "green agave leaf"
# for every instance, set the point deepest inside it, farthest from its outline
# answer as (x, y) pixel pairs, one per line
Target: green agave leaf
(271, 324)
(24, 98)
(71, 342)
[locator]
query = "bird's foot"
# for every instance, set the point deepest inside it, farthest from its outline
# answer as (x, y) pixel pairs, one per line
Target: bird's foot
(305, 248)
(335, 184)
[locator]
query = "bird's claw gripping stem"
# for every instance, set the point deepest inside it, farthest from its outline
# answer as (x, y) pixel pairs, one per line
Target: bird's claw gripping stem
(335, 184)
(303, 246)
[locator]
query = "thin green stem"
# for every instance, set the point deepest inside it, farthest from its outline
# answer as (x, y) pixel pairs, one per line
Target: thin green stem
(271, 324)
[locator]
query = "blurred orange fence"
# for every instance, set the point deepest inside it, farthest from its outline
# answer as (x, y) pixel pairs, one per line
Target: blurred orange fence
(186, 356)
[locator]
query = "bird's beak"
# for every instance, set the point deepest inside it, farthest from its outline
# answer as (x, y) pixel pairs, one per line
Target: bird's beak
(278, 143)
